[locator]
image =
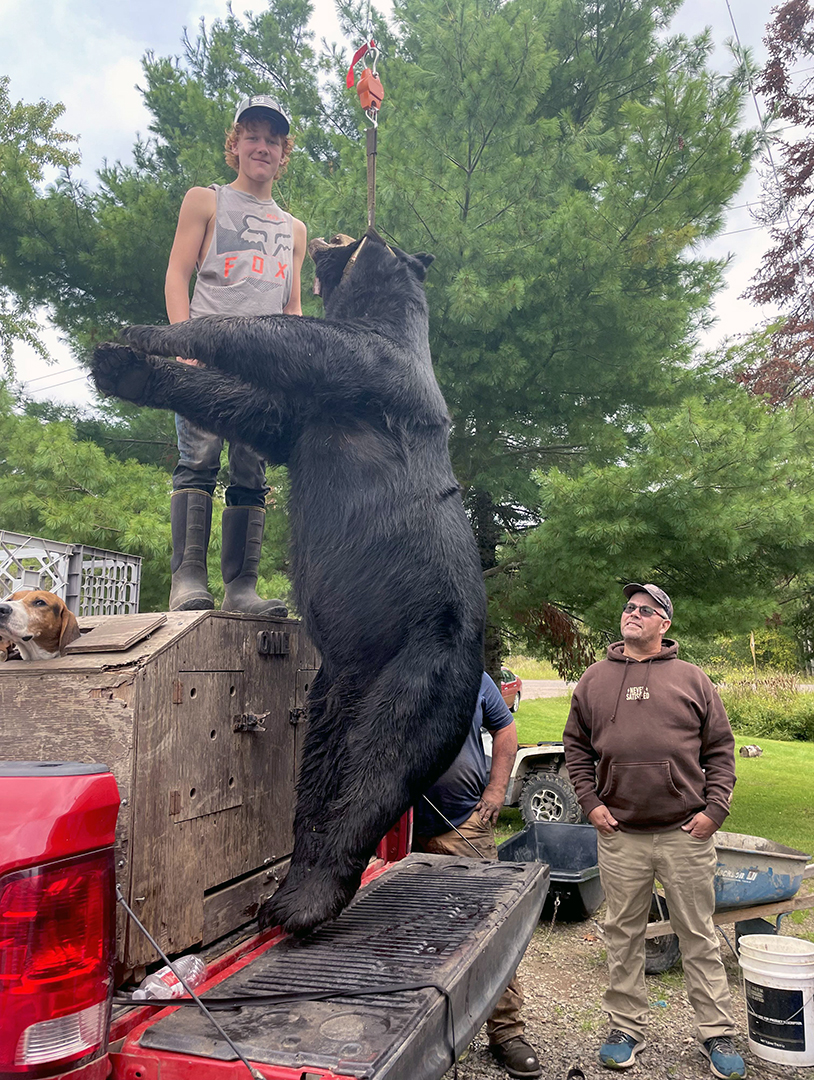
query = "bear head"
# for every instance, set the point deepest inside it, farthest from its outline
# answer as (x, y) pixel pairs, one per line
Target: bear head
(351, 274)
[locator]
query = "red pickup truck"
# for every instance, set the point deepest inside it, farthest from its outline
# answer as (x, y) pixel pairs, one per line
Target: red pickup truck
(411, 968)
(199, 718)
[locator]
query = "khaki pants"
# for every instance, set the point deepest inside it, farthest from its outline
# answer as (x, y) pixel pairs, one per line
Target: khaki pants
(505, 1022)
(628, 864)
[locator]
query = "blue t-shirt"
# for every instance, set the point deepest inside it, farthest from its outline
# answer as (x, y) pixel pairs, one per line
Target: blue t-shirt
(457, 792)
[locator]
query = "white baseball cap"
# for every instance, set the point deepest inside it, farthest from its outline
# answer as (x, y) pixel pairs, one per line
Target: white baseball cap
(263, 101)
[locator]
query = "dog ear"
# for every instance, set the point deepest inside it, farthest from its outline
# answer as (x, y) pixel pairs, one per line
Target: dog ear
(69, 630)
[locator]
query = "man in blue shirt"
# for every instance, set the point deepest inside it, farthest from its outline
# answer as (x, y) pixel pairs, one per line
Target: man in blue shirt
(470, 798)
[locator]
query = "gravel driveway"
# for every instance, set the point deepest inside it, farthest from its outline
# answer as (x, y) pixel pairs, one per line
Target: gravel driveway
(564, 974)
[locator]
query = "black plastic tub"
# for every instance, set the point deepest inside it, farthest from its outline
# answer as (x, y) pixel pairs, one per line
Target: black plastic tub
(570, 851)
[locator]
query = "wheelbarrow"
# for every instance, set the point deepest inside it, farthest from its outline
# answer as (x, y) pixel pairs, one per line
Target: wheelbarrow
(755, 877)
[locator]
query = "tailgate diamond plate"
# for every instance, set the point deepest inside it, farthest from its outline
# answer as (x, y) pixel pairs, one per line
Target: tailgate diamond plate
(460, 923)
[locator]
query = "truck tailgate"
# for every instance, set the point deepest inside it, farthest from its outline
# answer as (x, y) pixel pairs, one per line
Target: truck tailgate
(462, 924)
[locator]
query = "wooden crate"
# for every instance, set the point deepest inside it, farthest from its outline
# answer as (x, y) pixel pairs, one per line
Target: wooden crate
(167, 701)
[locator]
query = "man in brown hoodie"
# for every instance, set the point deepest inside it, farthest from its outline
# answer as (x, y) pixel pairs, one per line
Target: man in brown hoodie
(651, 754)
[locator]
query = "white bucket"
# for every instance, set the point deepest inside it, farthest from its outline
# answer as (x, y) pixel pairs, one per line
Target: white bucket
(778, 974)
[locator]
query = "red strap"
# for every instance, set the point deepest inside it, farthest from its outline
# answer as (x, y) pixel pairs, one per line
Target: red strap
(350, 79)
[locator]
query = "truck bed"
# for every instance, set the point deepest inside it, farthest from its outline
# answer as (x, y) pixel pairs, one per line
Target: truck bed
(429, 920)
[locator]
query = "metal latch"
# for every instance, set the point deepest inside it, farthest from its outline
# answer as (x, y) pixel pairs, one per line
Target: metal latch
(249, 722)
(296, 715)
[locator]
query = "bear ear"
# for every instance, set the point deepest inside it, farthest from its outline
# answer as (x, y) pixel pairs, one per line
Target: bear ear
(419, 263)
(426, 261)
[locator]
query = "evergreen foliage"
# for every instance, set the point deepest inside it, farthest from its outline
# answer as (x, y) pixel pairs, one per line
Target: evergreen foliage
(61, 487)
(561, 159)
(712, 505)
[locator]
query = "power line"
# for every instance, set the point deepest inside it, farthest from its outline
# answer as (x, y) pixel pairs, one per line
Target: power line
(63, 371)
(45, 389)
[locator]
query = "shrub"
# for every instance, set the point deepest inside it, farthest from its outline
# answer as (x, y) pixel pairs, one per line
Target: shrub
(776, 649)
(770, 705)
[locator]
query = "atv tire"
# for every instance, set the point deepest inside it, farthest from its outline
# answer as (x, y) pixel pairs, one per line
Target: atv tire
(548, 797)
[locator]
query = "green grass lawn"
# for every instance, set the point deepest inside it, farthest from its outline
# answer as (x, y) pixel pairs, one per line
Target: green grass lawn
(529, 668)
(772, 796)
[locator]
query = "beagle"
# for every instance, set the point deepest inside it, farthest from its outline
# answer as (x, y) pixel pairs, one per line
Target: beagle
(38, 623)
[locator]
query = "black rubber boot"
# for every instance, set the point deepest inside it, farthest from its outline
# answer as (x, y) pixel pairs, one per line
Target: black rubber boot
(242, 540)
(191, 520)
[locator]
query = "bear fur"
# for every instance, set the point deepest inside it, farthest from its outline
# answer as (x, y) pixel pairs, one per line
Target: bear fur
(385, 568)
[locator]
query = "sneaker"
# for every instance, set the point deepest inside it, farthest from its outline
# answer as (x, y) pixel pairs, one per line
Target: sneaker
(724, 1059)
(619, 1050)
(517, 1057)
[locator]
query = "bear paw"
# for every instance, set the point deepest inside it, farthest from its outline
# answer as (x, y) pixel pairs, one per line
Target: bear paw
(118, 371)
(300, 908)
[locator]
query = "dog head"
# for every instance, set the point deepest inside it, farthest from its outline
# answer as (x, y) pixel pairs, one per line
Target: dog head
(38, 623)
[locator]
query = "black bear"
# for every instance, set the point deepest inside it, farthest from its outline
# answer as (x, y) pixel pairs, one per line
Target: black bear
(386, 572)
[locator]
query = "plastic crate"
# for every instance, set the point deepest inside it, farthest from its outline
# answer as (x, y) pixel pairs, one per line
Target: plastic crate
(91, 581)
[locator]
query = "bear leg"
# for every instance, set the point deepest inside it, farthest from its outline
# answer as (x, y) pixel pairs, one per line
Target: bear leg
(388, 748)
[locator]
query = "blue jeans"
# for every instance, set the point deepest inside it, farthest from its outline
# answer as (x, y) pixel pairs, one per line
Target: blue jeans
(199, 464)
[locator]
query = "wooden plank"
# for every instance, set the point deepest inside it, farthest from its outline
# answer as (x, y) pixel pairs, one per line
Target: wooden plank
(233, 905)
(177, 625)
(169, 905)
(727, 918)
(117, 633)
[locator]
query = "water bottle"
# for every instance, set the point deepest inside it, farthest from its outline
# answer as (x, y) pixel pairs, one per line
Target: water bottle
(165, 984)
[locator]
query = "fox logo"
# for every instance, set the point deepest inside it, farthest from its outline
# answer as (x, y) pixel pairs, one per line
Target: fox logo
(256, 231)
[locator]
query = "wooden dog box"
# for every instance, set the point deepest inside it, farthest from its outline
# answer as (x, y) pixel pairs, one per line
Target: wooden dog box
(199, 716)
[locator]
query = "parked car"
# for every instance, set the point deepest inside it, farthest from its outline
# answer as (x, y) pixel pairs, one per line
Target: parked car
(511, 688)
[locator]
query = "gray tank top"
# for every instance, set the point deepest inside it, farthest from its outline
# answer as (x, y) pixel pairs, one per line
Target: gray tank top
(247, 269)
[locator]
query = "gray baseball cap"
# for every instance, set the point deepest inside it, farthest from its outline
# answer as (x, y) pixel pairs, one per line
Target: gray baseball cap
(263, 101)
(659, 595)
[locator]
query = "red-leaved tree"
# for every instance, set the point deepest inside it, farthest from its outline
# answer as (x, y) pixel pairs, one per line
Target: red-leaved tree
(786, 274)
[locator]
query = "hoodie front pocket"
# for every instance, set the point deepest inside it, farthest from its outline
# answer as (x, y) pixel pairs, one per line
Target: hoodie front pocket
(643, 791)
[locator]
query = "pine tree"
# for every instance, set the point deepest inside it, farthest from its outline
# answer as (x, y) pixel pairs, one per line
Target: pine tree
(560, 159)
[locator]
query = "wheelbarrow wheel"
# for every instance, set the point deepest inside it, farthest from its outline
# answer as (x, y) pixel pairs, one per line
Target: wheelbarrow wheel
(663, 952)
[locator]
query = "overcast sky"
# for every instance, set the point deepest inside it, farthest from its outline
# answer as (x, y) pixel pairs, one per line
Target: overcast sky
(87, 54)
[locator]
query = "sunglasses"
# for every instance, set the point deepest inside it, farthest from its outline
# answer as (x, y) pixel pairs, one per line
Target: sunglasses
(645, 609)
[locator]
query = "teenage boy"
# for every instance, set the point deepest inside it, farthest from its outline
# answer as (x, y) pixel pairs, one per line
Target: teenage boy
(248, 255)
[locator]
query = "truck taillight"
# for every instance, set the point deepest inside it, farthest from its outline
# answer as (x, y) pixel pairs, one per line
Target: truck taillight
(57, 925)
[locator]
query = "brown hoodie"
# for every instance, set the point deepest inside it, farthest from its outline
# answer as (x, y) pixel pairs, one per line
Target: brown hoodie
(650, 740)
